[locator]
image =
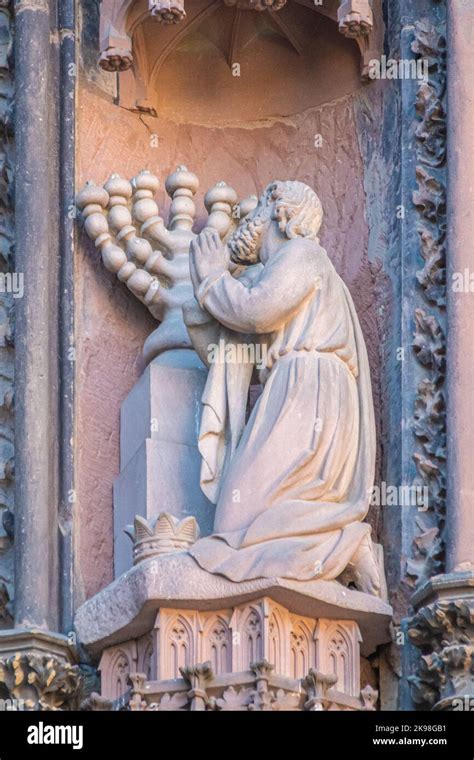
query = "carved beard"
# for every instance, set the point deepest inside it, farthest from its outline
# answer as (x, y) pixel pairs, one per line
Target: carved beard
(244, 244)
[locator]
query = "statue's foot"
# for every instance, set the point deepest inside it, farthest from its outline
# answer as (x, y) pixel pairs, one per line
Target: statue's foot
(365, 570)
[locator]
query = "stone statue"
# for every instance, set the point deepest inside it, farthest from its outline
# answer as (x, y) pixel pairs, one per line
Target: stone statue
(291, 485)
(264, 600)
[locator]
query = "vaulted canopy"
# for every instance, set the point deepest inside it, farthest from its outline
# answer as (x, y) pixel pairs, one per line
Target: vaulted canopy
(141, 36)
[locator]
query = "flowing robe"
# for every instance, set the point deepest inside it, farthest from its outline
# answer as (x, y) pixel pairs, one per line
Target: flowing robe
(291, 486)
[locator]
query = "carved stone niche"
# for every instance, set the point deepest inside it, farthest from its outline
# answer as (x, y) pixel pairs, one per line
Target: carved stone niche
(230, 642)
(140, 39)
(172, 637)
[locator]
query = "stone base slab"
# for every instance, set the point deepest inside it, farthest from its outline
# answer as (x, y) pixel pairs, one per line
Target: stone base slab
(127, 609)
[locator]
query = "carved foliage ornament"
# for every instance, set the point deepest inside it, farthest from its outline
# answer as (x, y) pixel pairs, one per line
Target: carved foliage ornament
(429, 337)
(355, 18)
(444, 631)
(41, 682)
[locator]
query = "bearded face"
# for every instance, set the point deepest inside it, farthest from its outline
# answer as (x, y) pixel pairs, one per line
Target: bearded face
(293, 205)
(244, 244)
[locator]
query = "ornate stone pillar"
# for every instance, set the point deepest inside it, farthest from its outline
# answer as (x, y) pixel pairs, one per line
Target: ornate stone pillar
(443, 626)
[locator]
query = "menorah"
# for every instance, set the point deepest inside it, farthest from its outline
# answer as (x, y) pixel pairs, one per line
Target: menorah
(148, 256)
(159, 459)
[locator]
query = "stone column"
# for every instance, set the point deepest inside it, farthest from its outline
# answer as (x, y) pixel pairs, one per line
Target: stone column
(35, 651)
(36, 600)
(460, 355)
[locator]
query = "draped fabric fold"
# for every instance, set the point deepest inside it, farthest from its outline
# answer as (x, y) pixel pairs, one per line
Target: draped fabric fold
(292, 486)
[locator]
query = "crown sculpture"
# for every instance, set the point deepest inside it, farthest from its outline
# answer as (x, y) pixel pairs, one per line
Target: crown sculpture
(250, 546)
(161, 536)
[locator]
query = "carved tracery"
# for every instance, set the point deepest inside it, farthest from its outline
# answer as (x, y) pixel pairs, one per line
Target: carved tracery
(218, 644)
(180, 642)
(301, 649)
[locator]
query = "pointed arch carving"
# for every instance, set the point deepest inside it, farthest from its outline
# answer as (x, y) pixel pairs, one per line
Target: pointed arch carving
(180, 639)
(338, 653)
(302, 649)
(217, 643)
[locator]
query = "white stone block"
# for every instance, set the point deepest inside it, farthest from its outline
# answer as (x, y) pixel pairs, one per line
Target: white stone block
(162, 476)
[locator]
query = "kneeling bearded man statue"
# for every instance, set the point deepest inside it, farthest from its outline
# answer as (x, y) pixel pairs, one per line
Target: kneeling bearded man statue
(292, 484)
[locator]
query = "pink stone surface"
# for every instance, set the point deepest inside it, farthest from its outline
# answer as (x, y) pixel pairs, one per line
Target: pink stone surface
(111, 326)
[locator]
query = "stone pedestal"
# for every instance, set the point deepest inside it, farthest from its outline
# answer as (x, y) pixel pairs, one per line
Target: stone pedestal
(172, 636)
(232, 639)
(159, 459)
(234, 644)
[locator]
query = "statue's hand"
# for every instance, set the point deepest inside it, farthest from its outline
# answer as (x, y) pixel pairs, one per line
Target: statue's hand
(208, 254)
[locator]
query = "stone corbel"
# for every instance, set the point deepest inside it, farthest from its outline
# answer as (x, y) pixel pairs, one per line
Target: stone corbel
(115, 43)
(356, 21)
(355, 18)
(167, 11)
